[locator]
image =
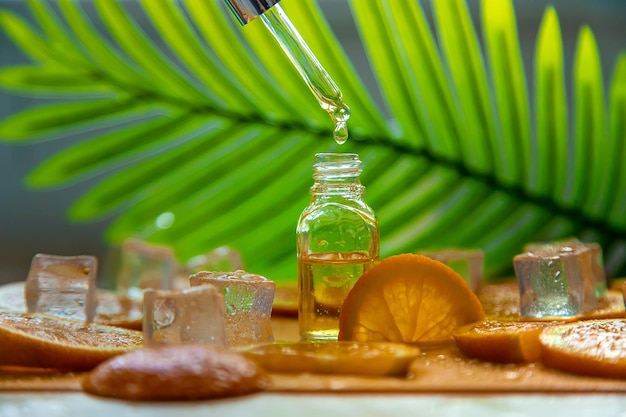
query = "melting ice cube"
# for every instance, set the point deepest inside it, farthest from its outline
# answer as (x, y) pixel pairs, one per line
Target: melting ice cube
(62, 286)
(145, 265)
(595, 258)
(192, 315)
(555, 281)
(248, 301)
(223, 258)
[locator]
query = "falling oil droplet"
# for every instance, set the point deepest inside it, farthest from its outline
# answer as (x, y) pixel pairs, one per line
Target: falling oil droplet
(340, 133)
(340, 115)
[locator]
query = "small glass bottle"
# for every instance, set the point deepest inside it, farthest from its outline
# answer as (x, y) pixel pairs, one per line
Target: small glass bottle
(337, 241)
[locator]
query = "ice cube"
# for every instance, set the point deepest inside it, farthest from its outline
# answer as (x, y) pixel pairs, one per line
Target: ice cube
(223, 258)
(62, 286)
(192, 315)
(248, 299)
(597, 267)
(145, 265)
(469, 263)
(596, 259)
(555, 281)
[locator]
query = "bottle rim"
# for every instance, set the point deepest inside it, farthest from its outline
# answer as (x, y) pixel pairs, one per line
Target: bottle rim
(329, 166)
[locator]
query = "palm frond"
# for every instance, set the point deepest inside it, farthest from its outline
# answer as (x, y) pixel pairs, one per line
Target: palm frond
(590, 137)
(198, 120)
(552, 161)
(463, 55)
(510, 90)
(617, 142)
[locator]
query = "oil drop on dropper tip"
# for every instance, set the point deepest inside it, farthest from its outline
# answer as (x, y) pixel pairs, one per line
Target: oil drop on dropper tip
(317, 79)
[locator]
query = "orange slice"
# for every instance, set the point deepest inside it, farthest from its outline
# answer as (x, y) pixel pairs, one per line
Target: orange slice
(408, 298)
(372, 359)
(504, 341)
(41, 341)
(592, 347)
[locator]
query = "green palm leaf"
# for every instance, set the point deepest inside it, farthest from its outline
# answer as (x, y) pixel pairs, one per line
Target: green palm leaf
(509, 85)
(591, 130)
(617, 144)
(204, 134)
(551, 154)
(465, 63)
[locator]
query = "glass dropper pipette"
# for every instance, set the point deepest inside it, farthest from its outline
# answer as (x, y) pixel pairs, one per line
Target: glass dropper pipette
(317, 79)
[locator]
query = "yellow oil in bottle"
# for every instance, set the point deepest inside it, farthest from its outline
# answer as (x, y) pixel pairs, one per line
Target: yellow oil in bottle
(324, 282)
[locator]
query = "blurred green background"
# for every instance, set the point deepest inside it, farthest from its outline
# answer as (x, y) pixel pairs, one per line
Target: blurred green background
(36, 221)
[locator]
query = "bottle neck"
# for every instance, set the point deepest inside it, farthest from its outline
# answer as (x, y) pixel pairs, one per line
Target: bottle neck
(337, 174)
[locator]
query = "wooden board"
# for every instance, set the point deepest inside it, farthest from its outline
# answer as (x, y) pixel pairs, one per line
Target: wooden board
(441, 370)
(24, 379)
